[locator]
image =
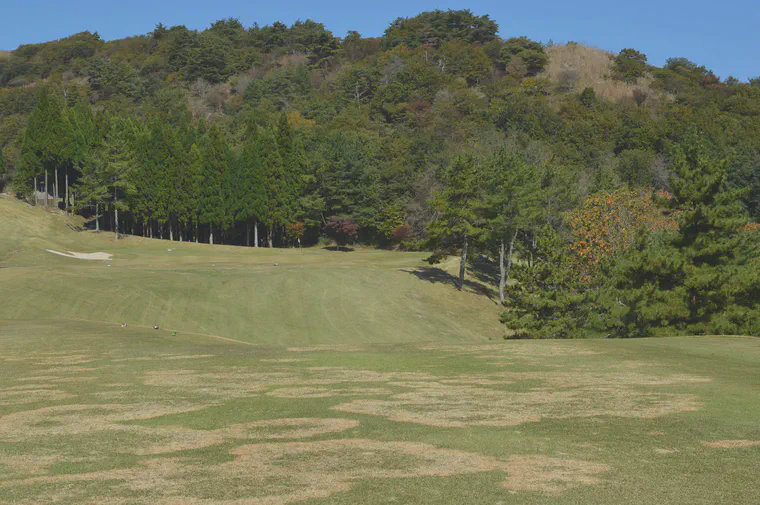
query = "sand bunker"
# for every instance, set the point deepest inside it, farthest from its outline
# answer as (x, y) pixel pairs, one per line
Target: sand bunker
(96, 256)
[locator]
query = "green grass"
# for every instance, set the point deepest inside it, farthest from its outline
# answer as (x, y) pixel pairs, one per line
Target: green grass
(312, 296)
(246, 406)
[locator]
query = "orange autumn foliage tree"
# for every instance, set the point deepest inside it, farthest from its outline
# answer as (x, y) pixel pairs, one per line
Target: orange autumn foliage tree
(607, 222)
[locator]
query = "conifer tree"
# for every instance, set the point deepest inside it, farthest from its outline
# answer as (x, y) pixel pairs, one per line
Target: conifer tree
(702, 278)
(458, 220)
(511, 202)
(211, 190)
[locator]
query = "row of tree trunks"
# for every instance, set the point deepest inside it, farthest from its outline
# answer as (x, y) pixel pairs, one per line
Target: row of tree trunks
(148, 227)
(505, 264)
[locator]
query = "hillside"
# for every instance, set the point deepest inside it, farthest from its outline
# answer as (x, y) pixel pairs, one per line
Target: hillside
(286, 297)
(442, 136)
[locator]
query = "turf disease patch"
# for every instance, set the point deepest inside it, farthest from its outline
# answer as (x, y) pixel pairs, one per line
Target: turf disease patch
(288, 472)
(550, 475)
(732, 444)
(561, 396)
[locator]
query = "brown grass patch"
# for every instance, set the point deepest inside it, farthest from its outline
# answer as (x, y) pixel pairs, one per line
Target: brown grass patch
(70, 369)
(68, 359)
(732, 444)
(291, 428)
(285, 360)
(78, 419)
(550, 475)
(323, 392)
(288, 472)
(27, 464)
(166, 357)
(276, 473)
(328, 348)
(665, 451)
(563, 396)
(38, 378)
(26, 396)
(239, 382)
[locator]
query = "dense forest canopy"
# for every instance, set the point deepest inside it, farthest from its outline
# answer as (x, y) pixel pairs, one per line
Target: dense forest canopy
(440, 134)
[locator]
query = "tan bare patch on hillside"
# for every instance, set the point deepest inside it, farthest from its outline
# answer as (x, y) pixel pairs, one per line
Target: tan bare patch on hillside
(550, 475)
(590, 67)
(732, 444)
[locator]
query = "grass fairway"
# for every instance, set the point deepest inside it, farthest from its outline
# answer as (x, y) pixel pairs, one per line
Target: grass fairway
(337, 378)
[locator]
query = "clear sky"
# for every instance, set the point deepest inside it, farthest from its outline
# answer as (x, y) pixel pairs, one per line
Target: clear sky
(724, 35)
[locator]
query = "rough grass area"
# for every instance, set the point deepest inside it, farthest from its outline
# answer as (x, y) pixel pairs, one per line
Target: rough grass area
(97, 413)
(338, 378)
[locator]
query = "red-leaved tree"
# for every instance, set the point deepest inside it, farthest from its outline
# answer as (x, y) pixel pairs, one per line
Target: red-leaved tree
(342, 229)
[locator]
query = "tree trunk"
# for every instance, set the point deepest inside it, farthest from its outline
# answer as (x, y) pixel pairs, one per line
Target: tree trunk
(116, 214)
(270, 235)
(55, 187)
(46, 189)
(97, 215)
(255, 234)
(502, 271)
(66, 203)
(35, 190)
(247, 234)
(211, 235)
(171, 231)
(462, 263)
(197, 239)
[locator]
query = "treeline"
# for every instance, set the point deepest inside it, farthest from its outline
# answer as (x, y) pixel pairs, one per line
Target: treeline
(438, 135)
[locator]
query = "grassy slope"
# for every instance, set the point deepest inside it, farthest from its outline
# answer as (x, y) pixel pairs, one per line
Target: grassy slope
(313, 296)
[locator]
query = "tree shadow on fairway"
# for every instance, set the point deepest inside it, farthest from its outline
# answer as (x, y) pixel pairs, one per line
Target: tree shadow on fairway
(485, 270)
(339, 248)
(440, 276)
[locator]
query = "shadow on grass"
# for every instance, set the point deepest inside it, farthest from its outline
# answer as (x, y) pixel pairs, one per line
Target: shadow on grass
(439, 276)
(339, 248)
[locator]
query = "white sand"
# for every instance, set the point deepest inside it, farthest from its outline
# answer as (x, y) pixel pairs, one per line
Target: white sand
(83, 256)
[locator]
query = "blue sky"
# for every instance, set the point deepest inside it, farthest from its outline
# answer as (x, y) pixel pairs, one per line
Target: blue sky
(724, 36)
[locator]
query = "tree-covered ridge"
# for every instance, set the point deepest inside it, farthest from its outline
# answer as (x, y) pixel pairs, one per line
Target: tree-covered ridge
(439, 134)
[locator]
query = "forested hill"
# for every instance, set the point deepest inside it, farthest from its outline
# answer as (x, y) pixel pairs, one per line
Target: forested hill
(439, 134)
